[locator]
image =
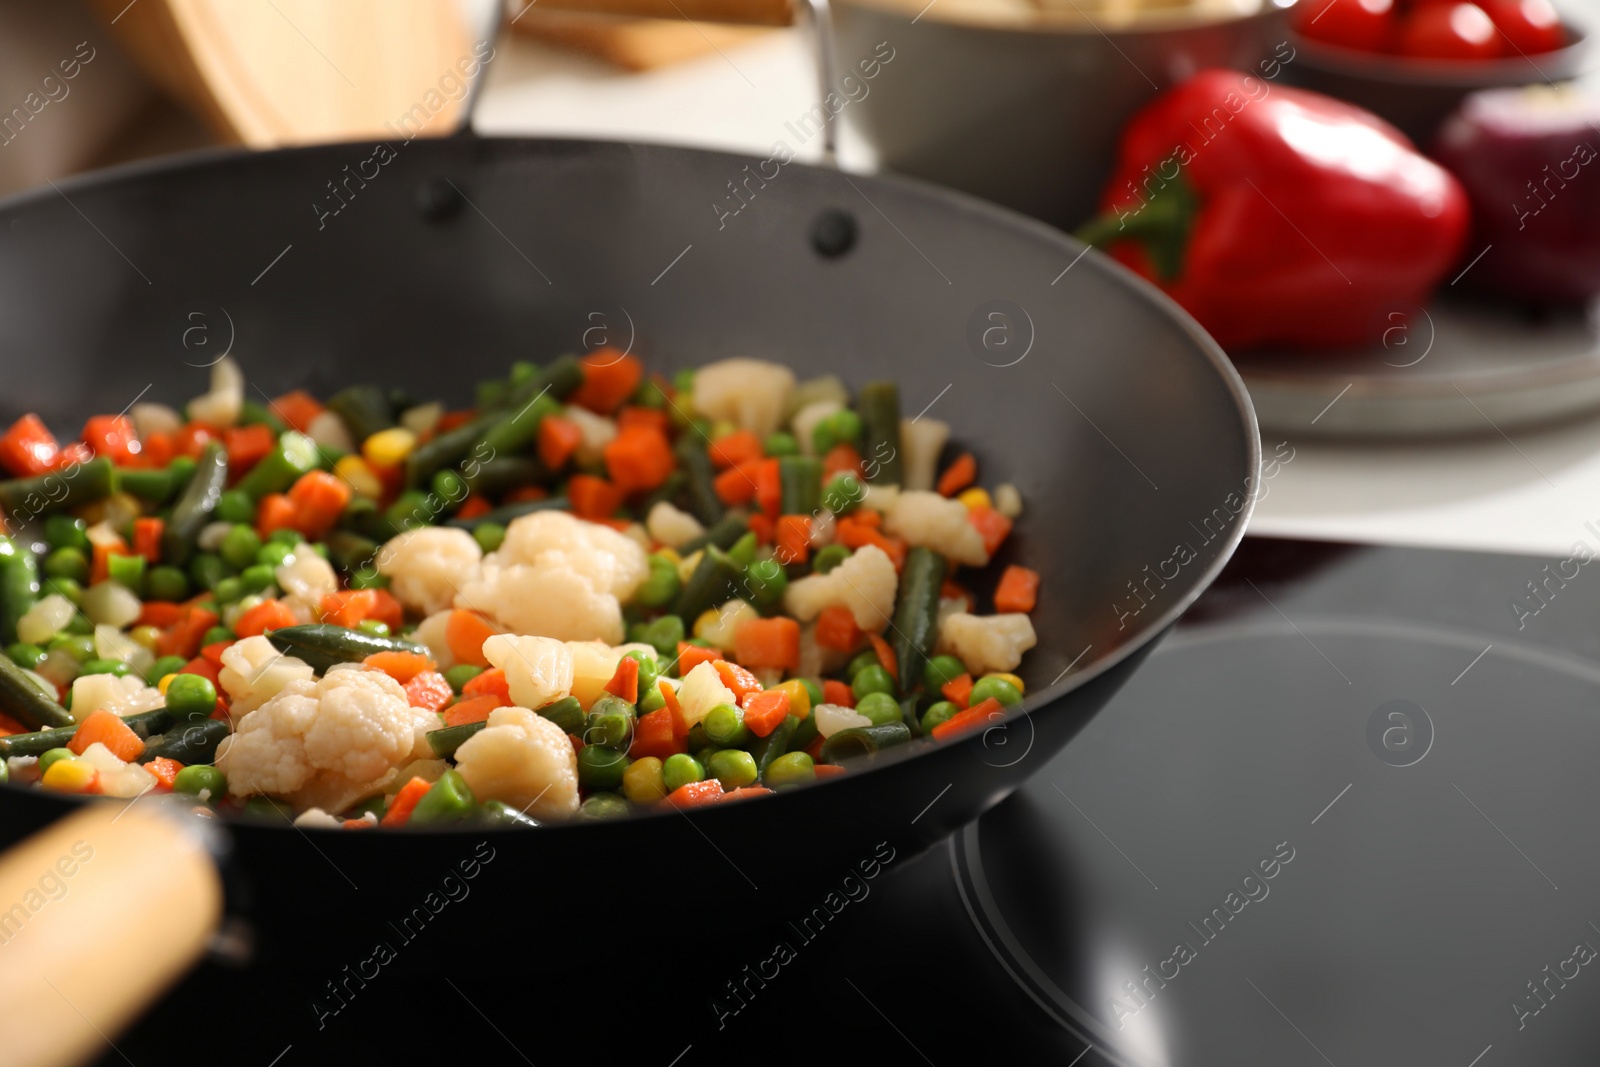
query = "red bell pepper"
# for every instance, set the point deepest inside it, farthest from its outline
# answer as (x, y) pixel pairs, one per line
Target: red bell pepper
(1277, 215)
(114, 437)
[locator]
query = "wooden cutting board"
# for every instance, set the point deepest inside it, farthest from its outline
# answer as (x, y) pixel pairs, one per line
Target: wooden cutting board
(634, 44)
(277, 72)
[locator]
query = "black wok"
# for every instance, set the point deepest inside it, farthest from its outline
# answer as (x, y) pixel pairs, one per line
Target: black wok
(1123, 425)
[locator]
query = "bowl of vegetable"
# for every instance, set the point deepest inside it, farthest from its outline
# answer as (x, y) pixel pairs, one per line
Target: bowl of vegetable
(1413, 63)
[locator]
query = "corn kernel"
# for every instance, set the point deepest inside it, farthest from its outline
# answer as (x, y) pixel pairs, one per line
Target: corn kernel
(799, 697)
(389, 448)
(353, 470)
(69, 776)
(975, 498)
(686, 568)
(146, 637)
(642, 782)
(708, 619)
(166, 680)
(1013, 679)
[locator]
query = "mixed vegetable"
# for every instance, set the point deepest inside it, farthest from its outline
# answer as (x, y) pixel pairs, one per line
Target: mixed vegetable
(595, 591)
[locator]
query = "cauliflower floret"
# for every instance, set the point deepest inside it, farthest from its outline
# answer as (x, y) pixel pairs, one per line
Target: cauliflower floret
(594, 433)
(865, 583)
(151, 418)
(703, 690)
(672, 527)
(427, 566)
(220, 407)
(317, 819)
(433, 632)
(253, 671)
(593, 664)
(937, 522)
(107, 692)
(546, 599)
(987, 643)
(538, 669)
(805, 422)
(921, 441)
(307, 577)
(610, 561)
(523, 759)
(322, 742)
(750, 392)
(879, 497)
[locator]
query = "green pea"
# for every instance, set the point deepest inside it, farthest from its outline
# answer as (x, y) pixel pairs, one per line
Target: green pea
(609, 723)
(126, 570)
(79, 624)
(447, 800)
(649, 670)
(78, 646)
(998, 688)
(67, 587)
(257, 578)
(725, 725)
(461, 674)
(604, 806)
(216, 634)
(67, 563)
(207, 569)
(662, 585)
(881, 708)
(663, 635)
(733, 767)
(369, 578)
(814, 691)
(191, 697)
(863, 660)
(201, 778)
(285, 535)
(781, 444)
(790, 769)
(873, 679)
(53, 756)
(274, 554)
(235, 506)
(104, 666)
(600, 767)
(523, 370)
(681, 769)
(239, 547)
(26, 656)
(450, 487)
(167, 583)
(843, 494)
(765, 582)
(941, 670)
(651, 699)
(489, 535)
(373, 627)
(938, 714)
(162, 667)
(67, 531)
(842, 427)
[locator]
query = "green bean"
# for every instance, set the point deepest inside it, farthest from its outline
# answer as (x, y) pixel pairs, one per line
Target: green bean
(190, 742)
(502, 474)
(916, 614)
(207, 569)
(350, 551)
(769, 749)
(444, 742)
(234, 505)
(23, 700)
(194, 506)
(863, 741)
(443, 451)
(601, 767)
(700, 479)
(880, 419)
(800, 484)
(67, 531)
(519, 428)
(566, 713)
(499, 813)
(80, 484)
(19, 585)
(661, 587)
(724, 534)
(843, 493)
(829, 557)
(143, 723)
(365, 409)
(713, 582)
(562, 377)
(448, 800)
(805, 732)
(505, 514)
(151, 486)
(764, 584)
(294, 454)
(781, 444)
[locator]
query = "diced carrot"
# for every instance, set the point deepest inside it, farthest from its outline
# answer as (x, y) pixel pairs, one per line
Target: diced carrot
(868, 518)
(638, 459)
(837, 629)
(559, 438)
(669, 696)
(275, 512)
(147, 532)
(886, 656)
(951, 589)
(473, 507)
(793, 539)
(971, 719)
(769, 487)
(653, 735)
(991, 524)
(763, 711)
(405, 801)
(74, 455)
(745, 792)
(473, 709)
(191, 439)
(160, 613)
(9, 726)
(298, 409)
(625, 683)
(451, 420)
(592, 498)
(855, 531)
(834, 692)
(958, 690)
(401, 666)
(387, 610)
(733, 449)
(164, 770)
(691, 656)
(183, 637)
(247, 446)
(29, 448)
(113, 437)
(158, 450)
(736, 485)
(764, 527)
(960, 474)
(100, 565)
(736, 678)
(428, 690)
(636, 417)
(841, 459)
(348, 607)
(694, 795)
(609, 379)
(465, 632)
(771, 642)
(213, 652)
(205, 669)
(828, 770)
(319, 499)
(108, 729)
(1018, 590)
(267, 615)
(491, 682)
(524, 493)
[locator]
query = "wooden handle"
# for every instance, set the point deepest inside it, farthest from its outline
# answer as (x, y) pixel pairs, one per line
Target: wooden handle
(747, 12)
(99, 913)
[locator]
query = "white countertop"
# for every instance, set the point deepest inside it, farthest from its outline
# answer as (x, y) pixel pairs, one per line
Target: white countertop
(1531, 492)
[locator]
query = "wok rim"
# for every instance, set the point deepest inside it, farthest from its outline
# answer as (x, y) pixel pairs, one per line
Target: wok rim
(941, 197)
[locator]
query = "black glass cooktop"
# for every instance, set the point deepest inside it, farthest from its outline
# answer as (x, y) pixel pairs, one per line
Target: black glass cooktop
(1346, 814)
